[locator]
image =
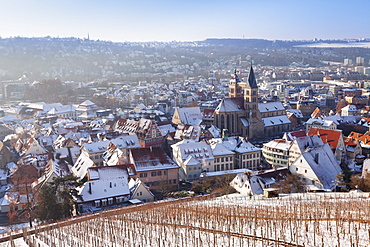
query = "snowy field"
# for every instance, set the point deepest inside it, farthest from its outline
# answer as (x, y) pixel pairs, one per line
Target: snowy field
(315, 219)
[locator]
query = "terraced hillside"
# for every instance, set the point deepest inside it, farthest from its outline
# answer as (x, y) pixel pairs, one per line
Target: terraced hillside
(326, 219)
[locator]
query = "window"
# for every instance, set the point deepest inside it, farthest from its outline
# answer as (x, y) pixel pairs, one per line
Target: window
(164, 172)
(154, 174)
(110, 201)
(143, 175)
(296, 168)
(104, 202)
(227, 159)
(97, 204)
(305, 171)
(174, 181)
(159, 173)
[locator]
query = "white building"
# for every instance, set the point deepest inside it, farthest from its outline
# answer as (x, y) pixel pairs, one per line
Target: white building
(192, 157)
(318, 166)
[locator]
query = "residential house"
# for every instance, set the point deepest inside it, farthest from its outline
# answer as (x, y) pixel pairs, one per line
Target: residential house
(187, 116)
(5, 156)
(224, 159)
(146, 130)
(300, 144)
(154, 167)
(106, 186)
(364, 140)
(138, 191)
(192, 157)
(353, 149)
(96, 150)
(333, 137)
(192, 132)
(320, 123)
(86, 110)
(276, 152)
(319, 168)
(83, 163)
(349, 110)
(246, 155)
(255, 184)
(295, 116)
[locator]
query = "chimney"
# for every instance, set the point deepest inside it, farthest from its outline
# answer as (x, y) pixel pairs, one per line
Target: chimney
(317, 158)
(89, 188)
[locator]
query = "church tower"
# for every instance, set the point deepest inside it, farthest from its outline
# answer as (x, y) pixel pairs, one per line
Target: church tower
(251, 105)
(235, 90)
(251, 92)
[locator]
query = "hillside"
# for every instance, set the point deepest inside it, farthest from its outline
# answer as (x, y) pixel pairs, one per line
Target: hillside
(322, 219)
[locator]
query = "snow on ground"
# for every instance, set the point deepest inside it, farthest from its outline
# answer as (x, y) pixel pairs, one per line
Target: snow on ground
(313, 219)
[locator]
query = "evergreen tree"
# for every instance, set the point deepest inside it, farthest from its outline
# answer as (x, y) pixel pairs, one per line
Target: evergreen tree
(48, 207)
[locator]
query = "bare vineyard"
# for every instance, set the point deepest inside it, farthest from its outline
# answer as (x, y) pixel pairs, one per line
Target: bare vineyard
(299, 220)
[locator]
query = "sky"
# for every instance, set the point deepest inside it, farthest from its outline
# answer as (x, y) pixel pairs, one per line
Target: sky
(186, 20)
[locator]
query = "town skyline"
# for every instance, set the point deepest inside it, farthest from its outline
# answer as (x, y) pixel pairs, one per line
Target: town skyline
(186, 21)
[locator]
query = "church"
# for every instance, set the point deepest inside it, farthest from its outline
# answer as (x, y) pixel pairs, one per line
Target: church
(241, 114)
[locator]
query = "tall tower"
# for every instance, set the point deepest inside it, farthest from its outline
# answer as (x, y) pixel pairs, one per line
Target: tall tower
(251, 106)
(251, 92)
(235, 90)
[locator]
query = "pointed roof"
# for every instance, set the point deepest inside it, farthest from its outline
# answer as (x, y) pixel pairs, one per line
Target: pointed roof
(323, 163)
(236, 77)
(230, 105)
(252, 83)
(327, 136)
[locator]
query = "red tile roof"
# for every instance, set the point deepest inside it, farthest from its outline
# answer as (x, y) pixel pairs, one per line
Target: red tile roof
(361, 137)
(299, 133)
(327, 136)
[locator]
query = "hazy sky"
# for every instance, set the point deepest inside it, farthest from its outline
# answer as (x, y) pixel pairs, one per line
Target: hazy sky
(186, 20)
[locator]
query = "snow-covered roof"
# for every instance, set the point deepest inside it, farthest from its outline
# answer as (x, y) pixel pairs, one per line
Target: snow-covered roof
(215, 132)
(62, 109)
(236, 144)
(276, 120)
(296, 112)
(218, 149)
(190, 115)
(104, 188)
(153, 158)
(191, 161)
(326, 169)
(199, 150)
(270, 107)
(128, 141)
(279, 144)
(225, 172)
(106, 172)
(231, 105)
(308, 141)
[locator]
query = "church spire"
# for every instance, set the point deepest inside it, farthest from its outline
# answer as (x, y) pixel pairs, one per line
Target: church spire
(236, 77)
(252, 83)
